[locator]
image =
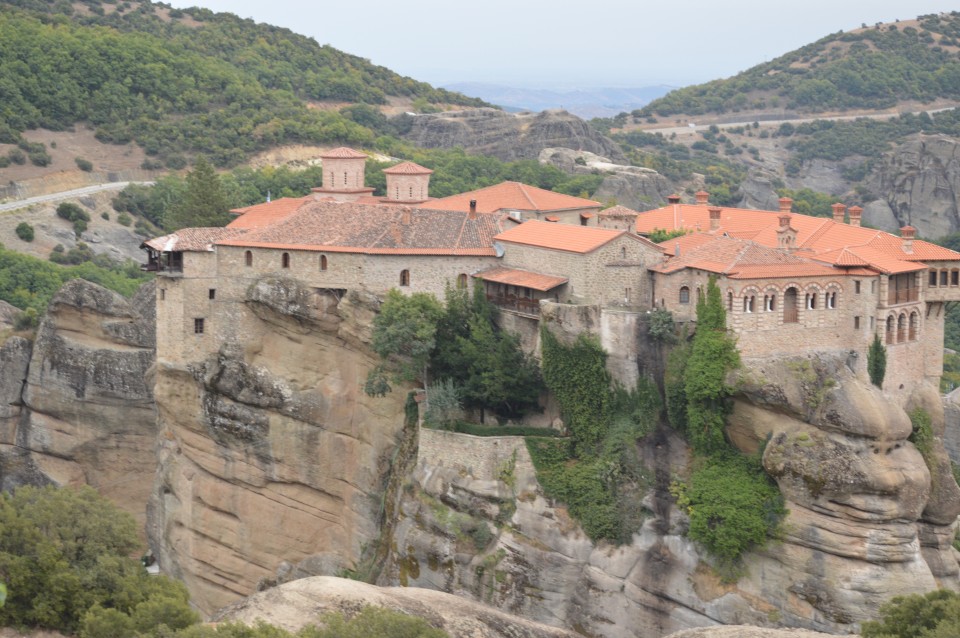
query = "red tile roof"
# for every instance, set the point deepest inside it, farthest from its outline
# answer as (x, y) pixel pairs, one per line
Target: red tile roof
(566, 237)
(343, 153)
(192, 239)
(512, 196)
(818, 238)
(407, 168)
(376, 229)
(260, 215)
(618, 211)
(524, 278)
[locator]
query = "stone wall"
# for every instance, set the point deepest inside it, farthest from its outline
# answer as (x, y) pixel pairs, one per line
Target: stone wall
(484, 458)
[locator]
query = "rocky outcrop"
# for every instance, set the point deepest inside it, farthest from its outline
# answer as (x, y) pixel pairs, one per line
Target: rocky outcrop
(272, 460)
(631, 186)
(297, 604)
(919, 182)
(509, 136)
(77, 408)
(869, 518)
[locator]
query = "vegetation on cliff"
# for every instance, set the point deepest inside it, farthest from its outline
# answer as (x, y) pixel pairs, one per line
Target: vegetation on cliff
(932, 615)
(870, 68)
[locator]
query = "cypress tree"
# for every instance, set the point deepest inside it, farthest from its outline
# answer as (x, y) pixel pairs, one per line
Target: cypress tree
(203, 204)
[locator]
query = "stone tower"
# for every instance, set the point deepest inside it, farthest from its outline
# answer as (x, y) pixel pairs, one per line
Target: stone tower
(343, 175)
(408, 182)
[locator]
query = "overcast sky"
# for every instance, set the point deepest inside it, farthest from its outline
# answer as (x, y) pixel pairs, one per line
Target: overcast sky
(569, 43)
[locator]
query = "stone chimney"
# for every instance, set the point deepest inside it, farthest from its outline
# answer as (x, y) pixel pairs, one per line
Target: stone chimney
(908, 233)
(714, 217)
(786, 206)
(703, 197)
(855, 213)
(838, 212)
(786, 234)
(673, 199)
(473, 209)
(405, 216)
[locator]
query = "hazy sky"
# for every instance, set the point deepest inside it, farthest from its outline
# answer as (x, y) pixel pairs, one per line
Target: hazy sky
(555, 43)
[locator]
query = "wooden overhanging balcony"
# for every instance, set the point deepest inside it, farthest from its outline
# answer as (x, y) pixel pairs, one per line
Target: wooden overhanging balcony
(518, 290)
(904, 295)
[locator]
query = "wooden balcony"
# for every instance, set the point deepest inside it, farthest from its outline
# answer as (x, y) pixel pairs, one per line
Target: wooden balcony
(904, 295)
(522, 305)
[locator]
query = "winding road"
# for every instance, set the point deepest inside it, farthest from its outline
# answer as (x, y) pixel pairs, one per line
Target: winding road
(77, 192)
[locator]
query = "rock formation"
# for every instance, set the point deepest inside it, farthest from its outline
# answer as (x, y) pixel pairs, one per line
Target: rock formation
(78, 406)
(509, 136)
(635, 187)
(869, 518)
(297, 604)
(270, 455)
(918, 184)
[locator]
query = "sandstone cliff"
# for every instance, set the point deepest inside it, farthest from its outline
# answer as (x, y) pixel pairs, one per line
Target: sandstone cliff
(869, 518)
(77, 407)
(509, 136)
(270, 455)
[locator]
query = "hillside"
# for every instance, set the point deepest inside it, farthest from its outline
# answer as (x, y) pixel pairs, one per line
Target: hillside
(181, 82)
(874, 67)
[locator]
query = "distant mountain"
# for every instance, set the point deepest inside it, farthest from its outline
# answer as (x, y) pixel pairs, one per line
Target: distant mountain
(874, 67)
(585, 103)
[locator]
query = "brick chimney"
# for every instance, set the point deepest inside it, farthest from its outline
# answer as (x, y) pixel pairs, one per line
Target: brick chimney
(703, 197)
(855, 213)
(473, 209)
(786, 235)
(908, 233)
(786, 205)
(714, 217)
(838, 212)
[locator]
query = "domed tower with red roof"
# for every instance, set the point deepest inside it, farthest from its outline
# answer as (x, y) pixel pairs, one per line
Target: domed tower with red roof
(408, 183)
(343, 175)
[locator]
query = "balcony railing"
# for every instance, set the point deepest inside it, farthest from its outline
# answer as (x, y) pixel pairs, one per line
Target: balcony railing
(523, 305)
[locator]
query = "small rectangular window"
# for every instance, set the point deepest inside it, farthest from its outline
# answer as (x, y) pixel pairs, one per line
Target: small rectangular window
(198, 326)
(873, 286)
(933, 277)
(943, 277)
(856, 286)
(873, 323)
(954, 277)
(856, 323)
(212, 293)
(163, 294)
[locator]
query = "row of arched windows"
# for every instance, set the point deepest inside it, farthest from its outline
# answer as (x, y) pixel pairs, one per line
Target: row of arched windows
(944, 277)
(284, 260)
(902, 328)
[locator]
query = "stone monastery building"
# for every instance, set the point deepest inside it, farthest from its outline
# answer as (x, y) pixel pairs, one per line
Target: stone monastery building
(792, 283)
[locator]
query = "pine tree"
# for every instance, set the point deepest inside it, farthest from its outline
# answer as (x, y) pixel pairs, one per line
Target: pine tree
(203, 204)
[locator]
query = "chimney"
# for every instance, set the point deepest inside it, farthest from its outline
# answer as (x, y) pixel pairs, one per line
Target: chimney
(838, 212)
(405, 216)
(473, 209)
(714, 217)
(784, 218)
(786, 205)
(786, 235)
(703, 197)
(673, 199)
(855, 212)
(908, 233)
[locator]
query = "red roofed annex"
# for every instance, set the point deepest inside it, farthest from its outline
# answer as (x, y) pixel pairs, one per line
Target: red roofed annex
(792, 283)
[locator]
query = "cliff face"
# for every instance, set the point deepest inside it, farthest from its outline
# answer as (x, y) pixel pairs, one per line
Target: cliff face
(869, 519)
(77, 407)
(509, 136)
(271, 457)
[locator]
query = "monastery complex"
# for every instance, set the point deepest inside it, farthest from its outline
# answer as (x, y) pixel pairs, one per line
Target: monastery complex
(792, 283)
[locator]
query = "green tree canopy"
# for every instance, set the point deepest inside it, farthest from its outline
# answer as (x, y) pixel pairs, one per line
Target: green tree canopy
(203, 203)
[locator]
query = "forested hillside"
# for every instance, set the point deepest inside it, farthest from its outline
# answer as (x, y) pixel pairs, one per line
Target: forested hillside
(180, 82)
(870, 68)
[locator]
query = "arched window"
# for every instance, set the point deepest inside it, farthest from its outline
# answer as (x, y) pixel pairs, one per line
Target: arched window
(285, 260)
(831, 300)
(684, 294)
(901, 328)
(748, 303)
(811, 301)
(462, 280)
(769, 303)
(729, 302)
(914, 325)
(323, 262)
(790, 314)
(404, 277)
(891, 323)
(623, 252)
(248, 258)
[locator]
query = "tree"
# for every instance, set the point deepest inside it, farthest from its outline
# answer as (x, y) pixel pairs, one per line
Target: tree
(404, 334)
(24, 231)
(203, 203)
(935, 613)
(877, 361)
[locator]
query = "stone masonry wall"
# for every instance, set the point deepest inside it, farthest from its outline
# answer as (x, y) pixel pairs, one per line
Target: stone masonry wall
(482, 457)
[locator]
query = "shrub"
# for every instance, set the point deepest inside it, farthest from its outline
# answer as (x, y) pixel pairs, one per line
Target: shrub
(79, 226)
(84, 165)
(24, 231)
(877, 361)
(935, 614)
(71, 212)
(105, 216)
(444, 407)
(17, 156)
(40, 158)
(373, 621)
(124, 219)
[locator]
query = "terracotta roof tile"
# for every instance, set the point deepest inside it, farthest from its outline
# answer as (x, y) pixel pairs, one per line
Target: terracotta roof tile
(618, 211)
(343, 152)
(192, 239)
(377, 229)
(260, 215)
(566, 237)
(525, 278)
(512, 196)
(407, 168)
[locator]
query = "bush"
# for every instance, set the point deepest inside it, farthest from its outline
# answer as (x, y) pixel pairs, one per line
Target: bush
(932, 615)
(84, 165)
(877, 362)
(124, 219)
(17, 156)
(71, 212)
(24, 231)
(373, 621)
(105, 216)
(444, 407)
(40, 158)
(79, 226)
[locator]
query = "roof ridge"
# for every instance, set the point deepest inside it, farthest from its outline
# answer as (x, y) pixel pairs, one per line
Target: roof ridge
(523, 190)
(463, 226)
